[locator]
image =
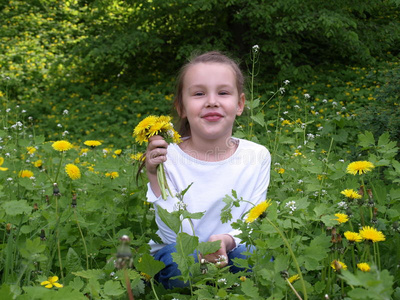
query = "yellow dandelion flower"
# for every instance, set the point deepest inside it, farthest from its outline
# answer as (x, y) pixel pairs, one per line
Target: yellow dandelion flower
(338, 265)
(118, 152)
(38, 163)
(137, 156)
(146, 277)
(25, 174)
(112, 175)
(351, 194)
(342, 218)
(92, 143)
(73, 171)
(257, 211)
(280, 170)
(371, 234)
(294, 278)
(52, 281)
(31, 150)
(243, 278)
(1, 163)
(359, 167)
(364, 267)
(353, 236)
(62, 145)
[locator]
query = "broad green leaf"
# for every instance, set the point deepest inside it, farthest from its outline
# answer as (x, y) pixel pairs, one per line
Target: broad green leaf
(73, 263)
(172, 220)
(366, 140)
(17, 207)
(250, 290)
(77, 284)
(147, 264)
(113, 288)
(188, 215)
(93, 273)
(208, 247)
(5, 292)
(259, 118)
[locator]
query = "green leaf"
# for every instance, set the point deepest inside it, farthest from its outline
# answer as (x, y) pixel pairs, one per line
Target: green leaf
(366, 140)
(91, 274)
(73, 261)
(188, 215)
(250, 290)
(5, 292)
(172, 220)
(259, 118)
(209, 247)
(77, 284)
(113, 288)
(149, 265)
(17, 207)
(185, 246)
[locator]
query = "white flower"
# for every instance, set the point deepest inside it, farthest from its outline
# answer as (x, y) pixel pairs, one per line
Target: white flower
(65, 133)
(23, 111)
(8, 109)
(300, 181)
(222, 280)
(9, 179)
(307, 96)
(342, 204)
(59, 125)
(334, 103)
(286, 82)
(65, 112)
(30, 118)
(256, 48)
(285, 112)
(296, 106)
(282, 90)
(324, 101)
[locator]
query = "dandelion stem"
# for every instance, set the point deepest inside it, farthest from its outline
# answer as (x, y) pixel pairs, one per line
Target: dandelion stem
(293, 289)
(128, 285)
(293, 256)
(152, 287)
(83, 239)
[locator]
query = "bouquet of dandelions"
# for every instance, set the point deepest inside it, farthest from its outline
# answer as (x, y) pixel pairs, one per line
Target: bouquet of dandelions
(153, 125)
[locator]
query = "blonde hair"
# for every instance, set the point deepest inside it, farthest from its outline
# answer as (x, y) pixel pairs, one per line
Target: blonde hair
(208, 57)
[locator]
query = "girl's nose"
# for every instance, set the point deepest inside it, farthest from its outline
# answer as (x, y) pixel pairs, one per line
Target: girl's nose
(212, 100)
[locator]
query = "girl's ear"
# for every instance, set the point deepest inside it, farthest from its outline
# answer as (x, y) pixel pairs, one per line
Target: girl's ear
(240, 108)
(180, 110)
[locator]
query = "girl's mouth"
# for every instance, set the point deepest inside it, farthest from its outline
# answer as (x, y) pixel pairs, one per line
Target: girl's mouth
(212, 117)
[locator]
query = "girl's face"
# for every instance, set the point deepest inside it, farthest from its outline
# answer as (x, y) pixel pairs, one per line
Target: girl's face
(211, 100)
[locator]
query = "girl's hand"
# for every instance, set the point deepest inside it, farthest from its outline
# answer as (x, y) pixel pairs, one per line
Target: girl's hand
(221, 256)
(156, 154)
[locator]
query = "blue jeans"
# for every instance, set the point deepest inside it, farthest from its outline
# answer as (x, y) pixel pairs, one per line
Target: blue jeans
(171, 267)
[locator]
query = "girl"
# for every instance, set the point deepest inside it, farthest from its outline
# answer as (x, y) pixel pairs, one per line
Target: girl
(208, 99)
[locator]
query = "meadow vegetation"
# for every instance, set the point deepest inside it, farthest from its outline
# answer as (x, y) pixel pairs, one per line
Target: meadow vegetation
(76, 77)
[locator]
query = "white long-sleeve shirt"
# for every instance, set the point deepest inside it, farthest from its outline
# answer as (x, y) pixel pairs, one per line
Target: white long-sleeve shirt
(247, 172)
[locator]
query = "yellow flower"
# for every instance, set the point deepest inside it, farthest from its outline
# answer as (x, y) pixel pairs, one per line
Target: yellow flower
(52, 281)
(294, 278)
(73, 171)
(341, 218)
(257, 211)
(364, 267)
(242, 278)
(31, 150)
(112, 175)
(25, 173)
(118, 152)
(371, 234)
(138, 156)
(350, 193)
(38, 163)
(62, 145)
(353, 236)
(360, 167)
(338, 265)
(1, 163)
(153, 125)
(92, 143)
(280, 170)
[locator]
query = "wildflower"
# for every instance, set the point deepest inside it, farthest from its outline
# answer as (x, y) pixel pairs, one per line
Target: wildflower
(294, 278)
(280, 171)
(92, 143)
(1, 163)
(112, 175)
(256, 48)
(222, 280)
(153, 125)
(62, 145)
(353, 236)
(364, 267)
(52, 281)
(371, 234)
(286, 82)
(257, 211)
(359, 167)
(73, 171)
(292, 206)
(351, 194)
(38, 163)
(138, 156)
(118, 152)
(25, 173)
(341, 218)
(338, 265)
(242, 278)
(31, 150)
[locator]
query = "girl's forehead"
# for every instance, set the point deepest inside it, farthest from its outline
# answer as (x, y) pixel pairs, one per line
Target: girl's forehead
(209, 71)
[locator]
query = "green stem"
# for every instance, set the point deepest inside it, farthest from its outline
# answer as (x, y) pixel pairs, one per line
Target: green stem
(83, 239)
(160, 179)
(293, 256)
(353, 258)
(152, 287)
(58, 242)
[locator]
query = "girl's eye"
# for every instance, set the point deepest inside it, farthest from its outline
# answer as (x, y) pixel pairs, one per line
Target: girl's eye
(223, 93)
(199, 94)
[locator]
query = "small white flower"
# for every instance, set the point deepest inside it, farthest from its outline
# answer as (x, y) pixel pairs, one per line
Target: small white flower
(59, 125)
(285, 112)
(342, 204)
(222, 280)
(300, 181)
(282, 90)
(320, 128)
(23, 111)
(334, 103)
(286, 82)
(8, 109)
(341, 160)
(324, 101)
(65, 112)
(296, 106)
(256, 48)
(30, 118)
(9, 179)
(307, 96)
